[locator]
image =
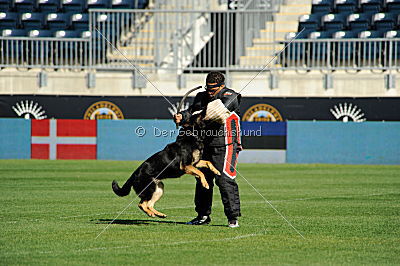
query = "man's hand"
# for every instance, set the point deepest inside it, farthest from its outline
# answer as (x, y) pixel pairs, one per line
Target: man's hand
(178, 118)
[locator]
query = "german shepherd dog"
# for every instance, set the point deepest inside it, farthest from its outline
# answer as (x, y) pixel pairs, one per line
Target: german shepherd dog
(177, 158)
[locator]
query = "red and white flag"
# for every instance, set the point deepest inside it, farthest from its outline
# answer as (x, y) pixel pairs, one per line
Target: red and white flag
(63, 139)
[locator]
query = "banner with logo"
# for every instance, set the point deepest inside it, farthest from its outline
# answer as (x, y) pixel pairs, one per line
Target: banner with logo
(255, 109)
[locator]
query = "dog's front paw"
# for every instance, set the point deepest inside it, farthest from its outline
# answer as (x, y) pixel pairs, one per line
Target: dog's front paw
(205, 184)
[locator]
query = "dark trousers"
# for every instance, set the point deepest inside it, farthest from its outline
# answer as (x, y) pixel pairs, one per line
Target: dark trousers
(227, 186)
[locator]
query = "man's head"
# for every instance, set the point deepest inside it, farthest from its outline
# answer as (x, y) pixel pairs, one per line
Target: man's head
(215, 81)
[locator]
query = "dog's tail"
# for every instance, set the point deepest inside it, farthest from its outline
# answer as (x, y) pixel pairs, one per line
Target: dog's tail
(125, 189)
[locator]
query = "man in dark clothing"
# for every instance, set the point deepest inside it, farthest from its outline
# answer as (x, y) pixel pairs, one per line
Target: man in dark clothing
(221, 147)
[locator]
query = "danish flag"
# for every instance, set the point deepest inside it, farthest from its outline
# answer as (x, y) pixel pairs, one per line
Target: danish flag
(63, 139)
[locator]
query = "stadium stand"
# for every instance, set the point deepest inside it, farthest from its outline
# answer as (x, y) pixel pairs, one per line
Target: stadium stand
(52, 15)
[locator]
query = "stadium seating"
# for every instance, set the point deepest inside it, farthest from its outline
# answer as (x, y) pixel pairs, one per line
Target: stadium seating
(56, 21)
(343, 51)
(371, 6)
(393, 6)
(310, 22)
(334, 22)
(5, 5)
(384, 21)
(13, 33)
(76, 6)
(32, 20)
(346, 6)
(99, 4)
(25, 5)
(41, 33)
(322, 7)
(394, 47)
(9, 20)
(49, 5)
(351, 17)
(80, 21)
(359, 22)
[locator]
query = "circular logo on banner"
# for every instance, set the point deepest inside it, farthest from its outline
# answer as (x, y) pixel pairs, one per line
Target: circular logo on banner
(103, 110)
(262, 113)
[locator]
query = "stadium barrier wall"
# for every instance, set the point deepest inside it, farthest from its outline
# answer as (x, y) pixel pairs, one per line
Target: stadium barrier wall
(279, 142)
(15, 138)
(343, 143)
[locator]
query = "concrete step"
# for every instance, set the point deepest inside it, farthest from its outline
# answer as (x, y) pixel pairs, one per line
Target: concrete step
(256, 60)
(138, 58)
(298, 2)
(264, 50)
(257, 41)
(283, 25)
(293, 8)
(269, 34)
(289, 16)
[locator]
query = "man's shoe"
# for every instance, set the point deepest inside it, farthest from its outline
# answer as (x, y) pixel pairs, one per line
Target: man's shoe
(200, 220)
(233, 223)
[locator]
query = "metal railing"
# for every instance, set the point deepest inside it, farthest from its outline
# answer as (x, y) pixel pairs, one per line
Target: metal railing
(341, 54)
(180, 41)
(51, 53)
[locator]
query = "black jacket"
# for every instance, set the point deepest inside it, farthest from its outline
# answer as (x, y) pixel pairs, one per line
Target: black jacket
(229, 98)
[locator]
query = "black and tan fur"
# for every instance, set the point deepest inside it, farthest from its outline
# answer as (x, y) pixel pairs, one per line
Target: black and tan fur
(176, 159)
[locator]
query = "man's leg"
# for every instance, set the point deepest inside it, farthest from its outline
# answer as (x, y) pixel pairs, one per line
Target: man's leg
(203, 197)
(226, 182)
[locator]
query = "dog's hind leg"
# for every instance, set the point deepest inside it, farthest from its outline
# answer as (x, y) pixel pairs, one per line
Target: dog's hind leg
(147, 190)
(191, 170)
(208, 165)
(144, 206)
(156, 196)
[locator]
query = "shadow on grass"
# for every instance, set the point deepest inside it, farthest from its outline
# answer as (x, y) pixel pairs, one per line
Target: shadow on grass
(141, 222)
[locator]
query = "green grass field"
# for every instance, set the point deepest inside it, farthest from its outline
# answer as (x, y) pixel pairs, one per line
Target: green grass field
(52, 211)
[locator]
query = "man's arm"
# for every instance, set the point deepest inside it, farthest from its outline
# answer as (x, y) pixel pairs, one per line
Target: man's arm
(231, 100)
(184, 116)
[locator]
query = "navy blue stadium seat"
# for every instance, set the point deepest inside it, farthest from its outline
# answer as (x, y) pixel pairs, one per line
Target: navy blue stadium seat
(80, 21)
(310, 22)
(296, 51)
(345, 35)
(321, 34)
(9, 20)
(344, 50)
(392, 53)
(77, 6)
(25, 5)
(319, 51)
(346, 6)
(374, 6)
(322, 7)
(67, 34)
(32, 20)
(371, 50)
(13, 33)
(58, 21)
(371, 34)
(123, 4)
(99, 4)
(41, 33)
(384, 21)
(393, 6)
(360, 21)
(335, 22)
(6, 5)
(49, 5)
